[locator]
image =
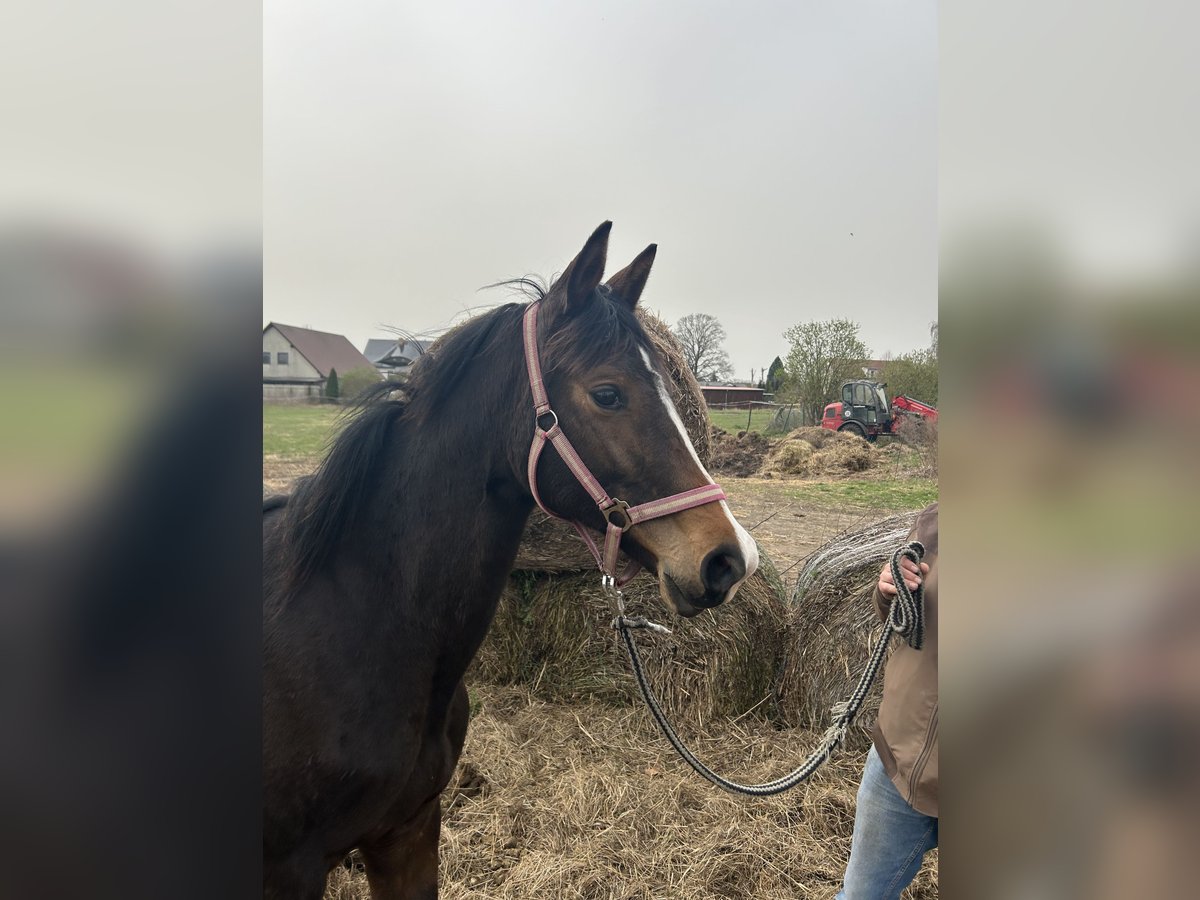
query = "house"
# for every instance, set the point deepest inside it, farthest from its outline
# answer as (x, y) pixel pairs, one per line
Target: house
(395, 356)
(729, 396)
(297, 361)
(872, 367)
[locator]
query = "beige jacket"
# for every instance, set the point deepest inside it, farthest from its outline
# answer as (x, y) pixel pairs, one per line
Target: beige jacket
(906, 735)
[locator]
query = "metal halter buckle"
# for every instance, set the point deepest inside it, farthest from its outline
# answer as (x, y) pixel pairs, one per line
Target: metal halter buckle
(621, 508)
(608, 584)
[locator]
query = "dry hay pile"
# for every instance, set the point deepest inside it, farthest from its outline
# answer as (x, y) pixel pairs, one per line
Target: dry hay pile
(589, 802)
(833, 624)
(741, 454)
(815, 452)
(552, 633)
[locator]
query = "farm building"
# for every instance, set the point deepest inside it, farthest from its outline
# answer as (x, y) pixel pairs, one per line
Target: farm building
(297, 361)
(727, 396)
(394, 356)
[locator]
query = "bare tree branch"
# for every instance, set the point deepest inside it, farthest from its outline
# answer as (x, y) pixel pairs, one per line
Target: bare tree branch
(701, 336)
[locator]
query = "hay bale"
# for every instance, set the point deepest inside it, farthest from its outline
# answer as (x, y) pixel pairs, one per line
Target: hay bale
(833, 625)
(553, 634)
(551, 545)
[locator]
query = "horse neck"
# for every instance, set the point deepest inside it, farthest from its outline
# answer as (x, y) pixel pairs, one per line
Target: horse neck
(447, 526)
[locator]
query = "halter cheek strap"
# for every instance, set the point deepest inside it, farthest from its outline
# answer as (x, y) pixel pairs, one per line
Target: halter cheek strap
(619, 514)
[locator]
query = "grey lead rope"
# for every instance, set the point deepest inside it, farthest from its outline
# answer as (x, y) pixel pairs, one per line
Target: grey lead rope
(906, 617)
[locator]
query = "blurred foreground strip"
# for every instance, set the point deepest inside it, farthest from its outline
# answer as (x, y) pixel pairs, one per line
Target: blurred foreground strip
(1072, 659)
(129, 643)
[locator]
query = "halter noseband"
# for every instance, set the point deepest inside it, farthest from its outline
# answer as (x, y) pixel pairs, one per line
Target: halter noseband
(619, 514)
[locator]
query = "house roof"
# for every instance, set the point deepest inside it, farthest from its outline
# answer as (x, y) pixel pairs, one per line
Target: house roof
(379, 348)
(323, 350)
(395, 350)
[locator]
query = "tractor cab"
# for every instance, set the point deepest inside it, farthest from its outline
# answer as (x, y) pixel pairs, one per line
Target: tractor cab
(863, 410)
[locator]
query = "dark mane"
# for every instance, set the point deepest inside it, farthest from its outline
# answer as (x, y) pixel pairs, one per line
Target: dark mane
(437, 374)
(328, 503)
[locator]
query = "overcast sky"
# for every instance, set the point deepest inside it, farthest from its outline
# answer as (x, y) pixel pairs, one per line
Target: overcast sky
(416, 152)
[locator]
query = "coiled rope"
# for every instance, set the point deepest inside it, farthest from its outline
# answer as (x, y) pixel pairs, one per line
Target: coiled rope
(906, 617)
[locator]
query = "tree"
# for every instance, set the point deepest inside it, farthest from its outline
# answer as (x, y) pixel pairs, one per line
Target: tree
(823, 355)
(914, 374)
(358, 380)
(331, 384)
(701, 336)
(775, 375)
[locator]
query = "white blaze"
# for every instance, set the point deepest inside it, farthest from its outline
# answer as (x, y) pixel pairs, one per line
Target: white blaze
(745, 542)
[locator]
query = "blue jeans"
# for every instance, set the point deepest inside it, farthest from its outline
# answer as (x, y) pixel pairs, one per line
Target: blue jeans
(890, 839)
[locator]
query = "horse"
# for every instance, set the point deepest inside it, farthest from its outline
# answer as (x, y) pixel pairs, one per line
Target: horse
(383, 570)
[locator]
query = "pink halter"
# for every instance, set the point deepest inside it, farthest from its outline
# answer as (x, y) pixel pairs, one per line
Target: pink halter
(619, 514)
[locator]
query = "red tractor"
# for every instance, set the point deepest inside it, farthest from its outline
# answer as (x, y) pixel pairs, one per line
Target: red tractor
(864, 410)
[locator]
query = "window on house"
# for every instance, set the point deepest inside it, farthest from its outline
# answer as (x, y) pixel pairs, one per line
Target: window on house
(266, 357)
(281, 358)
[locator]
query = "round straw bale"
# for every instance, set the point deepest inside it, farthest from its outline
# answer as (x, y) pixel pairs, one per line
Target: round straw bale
(553, 634)
(551, 545)
(833, 625)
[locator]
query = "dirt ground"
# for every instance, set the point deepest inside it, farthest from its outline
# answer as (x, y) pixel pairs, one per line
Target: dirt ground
(787, 528)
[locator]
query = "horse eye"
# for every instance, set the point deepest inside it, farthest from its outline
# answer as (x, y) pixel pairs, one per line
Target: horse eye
(607, 397)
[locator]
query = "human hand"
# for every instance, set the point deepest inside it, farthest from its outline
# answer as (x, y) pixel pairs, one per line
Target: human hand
(912, 576)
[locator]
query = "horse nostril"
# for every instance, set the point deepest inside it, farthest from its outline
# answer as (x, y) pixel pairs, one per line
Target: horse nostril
(721, 570)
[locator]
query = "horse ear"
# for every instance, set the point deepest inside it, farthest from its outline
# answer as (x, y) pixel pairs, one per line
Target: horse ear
(629, 283)
(582, 276)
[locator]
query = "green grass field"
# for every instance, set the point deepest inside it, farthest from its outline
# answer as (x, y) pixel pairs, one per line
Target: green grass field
(889, 493)
(297, 431)
(734, 420)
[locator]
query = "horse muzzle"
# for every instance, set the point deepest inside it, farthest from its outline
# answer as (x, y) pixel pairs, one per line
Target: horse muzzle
(717, 578)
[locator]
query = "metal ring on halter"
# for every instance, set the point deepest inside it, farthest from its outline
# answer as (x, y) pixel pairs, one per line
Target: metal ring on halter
(538, 420)
(621, 508)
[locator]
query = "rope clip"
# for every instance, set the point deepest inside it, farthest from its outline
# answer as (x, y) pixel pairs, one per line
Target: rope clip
(639, 622)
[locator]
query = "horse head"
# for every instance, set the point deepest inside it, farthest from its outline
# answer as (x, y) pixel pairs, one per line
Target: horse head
(605, 382)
